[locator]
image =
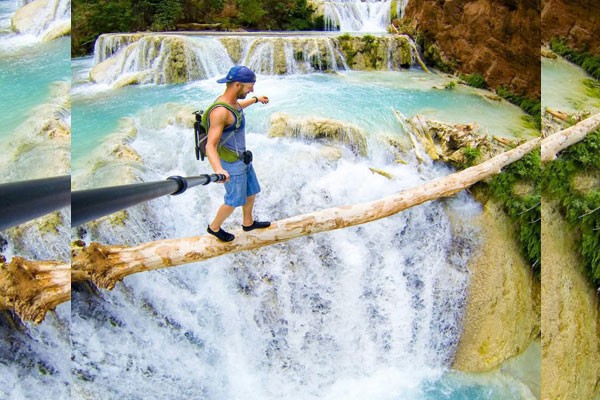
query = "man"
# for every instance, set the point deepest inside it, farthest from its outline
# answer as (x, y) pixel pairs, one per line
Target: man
(226, 150)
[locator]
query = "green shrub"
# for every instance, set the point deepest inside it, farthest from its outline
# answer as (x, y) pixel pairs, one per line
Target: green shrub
(476, 80)
(450, 85)
(523, 210)
(471, 155)
(587, 61)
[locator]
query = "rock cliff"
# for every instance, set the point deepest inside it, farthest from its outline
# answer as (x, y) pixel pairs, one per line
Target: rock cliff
(498, 39)
(570, 321)
(576, 20)
(503, 313)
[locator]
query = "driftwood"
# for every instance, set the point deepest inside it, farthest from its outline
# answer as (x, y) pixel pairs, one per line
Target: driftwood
(504, 141)
(401, 119)
(558, 114)
(32, 288)
(553, 144)
(107, 264)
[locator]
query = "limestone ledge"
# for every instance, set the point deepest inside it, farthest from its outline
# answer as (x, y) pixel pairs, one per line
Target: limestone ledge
(503, 311)
(166, 58)
(570, 316)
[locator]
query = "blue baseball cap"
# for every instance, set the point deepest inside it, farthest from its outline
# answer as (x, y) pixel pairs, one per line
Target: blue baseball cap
(239, 73)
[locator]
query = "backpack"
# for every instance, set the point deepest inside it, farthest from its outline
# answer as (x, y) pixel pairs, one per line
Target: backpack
(202, 124)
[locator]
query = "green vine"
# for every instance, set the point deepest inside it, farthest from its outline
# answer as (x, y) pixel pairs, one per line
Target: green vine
(518, 190)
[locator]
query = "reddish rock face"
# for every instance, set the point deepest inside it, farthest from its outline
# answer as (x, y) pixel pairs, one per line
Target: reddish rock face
(576, 20)
(499, 39)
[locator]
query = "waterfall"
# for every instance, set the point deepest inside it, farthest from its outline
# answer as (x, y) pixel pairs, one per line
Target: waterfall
(123, 59)
(45, 21)
(362, 15)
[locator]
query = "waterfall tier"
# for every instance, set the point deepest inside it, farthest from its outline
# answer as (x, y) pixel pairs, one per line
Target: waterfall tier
(124, 59)
(360, 15)
(45, 19)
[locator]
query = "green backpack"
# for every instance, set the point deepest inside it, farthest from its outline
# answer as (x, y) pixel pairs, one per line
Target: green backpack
(201, 132)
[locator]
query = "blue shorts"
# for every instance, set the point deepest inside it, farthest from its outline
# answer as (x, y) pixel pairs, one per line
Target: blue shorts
(242, 183)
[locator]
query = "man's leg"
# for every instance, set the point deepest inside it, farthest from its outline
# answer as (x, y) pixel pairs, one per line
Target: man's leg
(222, 214)
(247, 210)
(248, 222)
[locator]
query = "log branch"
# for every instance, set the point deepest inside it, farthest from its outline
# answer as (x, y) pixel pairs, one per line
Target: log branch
(553, 144)
(107, 264)
(32, 288)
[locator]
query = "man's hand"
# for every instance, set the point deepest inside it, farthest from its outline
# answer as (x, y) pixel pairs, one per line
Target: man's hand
(223, 172)
(263, 99)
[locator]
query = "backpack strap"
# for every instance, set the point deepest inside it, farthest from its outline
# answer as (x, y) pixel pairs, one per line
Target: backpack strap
(236, 113)
(206, 123)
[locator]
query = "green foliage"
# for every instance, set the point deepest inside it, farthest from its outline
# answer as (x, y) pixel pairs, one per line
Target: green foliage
(476, 80)
(251, 12)
(450, 85)
(471, 155)
(593, 88)
(167, 13)
(523, 209)
(394, 9)
(581, 209)
(587, 61)
(533, 107)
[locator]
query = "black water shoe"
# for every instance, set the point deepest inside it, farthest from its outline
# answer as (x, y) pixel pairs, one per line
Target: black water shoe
(221, 235)
(256, 225)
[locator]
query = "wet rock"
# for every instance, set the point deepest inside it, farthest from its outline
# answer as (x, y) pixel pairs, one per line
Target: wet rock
(503, 311)
(26, 17)
(284, 125)
(460, 144)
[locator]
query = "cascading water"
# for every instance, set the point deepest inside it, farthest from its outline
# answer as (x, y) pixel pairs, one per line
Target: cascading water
(34, 136)
(361, 15)
(49, 16)
(365, 312)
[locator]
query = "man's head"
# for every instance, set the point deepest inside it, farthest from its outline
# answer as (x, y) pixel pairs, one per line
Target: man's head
(240, 74)
(241, 78)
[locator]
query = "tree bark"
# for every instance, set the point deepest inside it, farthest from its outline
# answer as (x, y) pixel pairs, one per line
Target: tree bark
(32, 288)
(106, 264)
(553, 144)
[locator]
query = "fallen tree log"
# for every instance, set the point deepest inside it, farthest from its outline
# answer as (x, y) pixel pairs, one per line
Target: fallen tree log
(105, 265)
(553, 144)
(32, 288)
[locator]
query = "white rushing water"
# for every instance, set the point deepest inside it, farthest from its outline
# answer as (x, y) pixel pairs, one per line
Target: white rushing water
(316, 318)
(361, 15)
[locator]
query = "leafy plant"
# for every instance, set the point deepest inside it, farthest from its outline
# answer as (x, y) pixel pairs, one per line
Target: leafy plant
(524, 210)
(476, 80)
(587, 61)
(471, 155)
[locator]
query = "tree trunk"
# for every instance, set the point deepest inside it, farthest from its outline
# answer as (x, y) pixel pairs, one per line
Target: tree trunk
(106, 264)
(31, 288)
(553, 144)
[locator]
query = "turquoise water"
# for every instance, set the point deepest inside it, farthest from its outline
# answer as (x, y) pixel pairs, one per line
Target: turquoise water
(362, 98)
(26, 74)
(563, 88)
